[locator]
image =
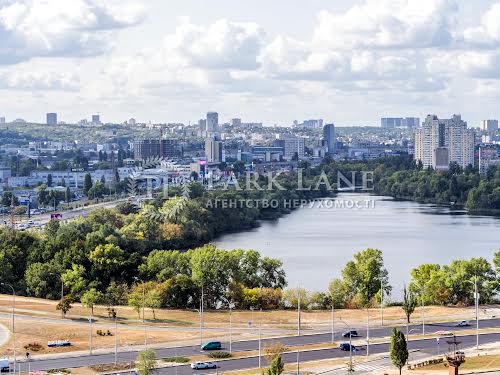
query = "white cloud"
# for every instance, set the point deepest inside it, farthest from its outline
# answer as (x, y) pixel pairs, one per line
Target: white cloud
(221, 45)
(388, 24)
(487, 34)
(38, 80)
(46, 28)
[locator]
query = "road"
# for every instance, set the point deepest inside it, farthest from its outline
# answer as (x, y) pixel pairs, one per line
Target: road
(428, 346)
(127, 356)
(43, 219)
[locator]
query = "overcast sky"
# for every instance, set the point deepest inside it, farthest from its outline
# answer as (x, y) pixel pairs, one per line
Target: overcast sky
(349, 62)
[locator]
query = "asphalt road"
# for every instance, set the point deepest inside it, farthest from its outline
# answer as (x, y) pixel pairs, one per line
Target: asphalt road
(128, 356)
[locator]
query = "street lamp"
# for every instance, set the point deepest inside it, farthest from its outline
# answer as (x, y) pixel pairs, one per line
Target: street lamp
(13, 321)
(350, 368)
(143, 311)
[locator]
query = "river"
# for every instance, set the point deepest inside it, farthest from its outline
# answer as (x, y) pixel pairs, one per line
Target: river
(315, 242)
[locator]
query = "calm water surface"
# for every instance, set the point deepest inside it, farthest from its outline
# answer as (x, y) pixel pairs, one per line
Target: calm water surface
(315, 243)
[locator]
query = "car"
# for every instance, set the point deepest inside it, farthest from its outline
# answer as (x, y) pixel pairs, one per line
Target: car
(203, 365)
(4, 365)
(463, 323)
(345, 346)
(212, 345)
(350, 334)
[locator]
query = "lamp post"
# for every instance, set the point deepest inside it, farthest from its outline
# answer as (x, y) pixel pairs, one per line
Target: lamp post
(143, 311)
(350, 369)
(116, 340)
(423, 312)
(230, 328)
(367, 331)
(382, 301)
(333, 319)
(298, 312)
(260, 339)
(476, 302)
(13, 321)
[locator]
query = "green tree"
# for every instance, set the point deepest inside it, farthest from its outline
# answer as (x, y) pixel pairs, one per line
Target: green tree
(398, 349)
(338, 293)
(7, 199)
(87, 184)
(146, 362)
(68, 195)
(75, 280)
(65, 304)
(90, 298)
(276, 367)
(107, 258)
(365, 275)
(409, 303)
(152, 300)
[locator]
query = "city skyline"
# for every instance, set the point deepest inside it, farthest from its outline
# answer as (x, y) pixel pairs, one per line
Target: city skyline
(168, 62)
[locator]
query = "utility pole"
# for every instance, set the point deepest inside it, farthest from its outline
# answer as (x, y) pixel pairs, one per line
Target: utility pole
(333, 322)
(298, 312)
(260, 339)
(367, 331)
(116, 340)
(201, 316)
(382, 301)
(13, 322)
(423, 313)
(62, 296)
(476, 297)
(230, 328)
(90, 334)
(298, 361)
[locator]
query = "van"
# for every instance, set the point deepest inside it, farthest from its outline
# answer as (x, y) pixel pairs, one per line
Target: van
(212, 345)
(4, 365)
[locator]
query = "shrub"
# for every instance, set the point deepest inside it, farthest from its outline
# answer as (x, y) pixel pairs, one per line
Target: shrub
(33, 346)
(220, 355)
(176, 359)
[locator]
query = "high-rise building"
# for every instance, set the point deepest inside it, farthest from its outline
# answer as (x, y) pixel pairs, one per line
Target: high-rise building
(152, 148)
(213, 150)
(2, 120)
(399, 122)
(446, 134)
(96, 120)
(212, 122)
(391, 122)
(236, 122)
(489, 125)
(488, 156)
(330, 138)
(51, 118)
(292, 147)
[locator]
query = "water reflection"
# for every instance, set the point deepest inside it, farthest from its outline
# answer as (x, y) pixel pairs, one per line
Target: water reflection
(315, 243)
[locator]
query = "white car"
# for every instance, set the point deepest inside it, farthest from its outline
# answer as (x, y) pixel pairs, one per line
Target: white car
(203, 365)
(463, 323)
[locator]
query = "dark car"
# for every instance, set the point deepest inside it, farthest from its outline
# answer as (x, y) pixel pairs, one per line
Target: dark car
(212, 345)
(345, 346)
(350, 334)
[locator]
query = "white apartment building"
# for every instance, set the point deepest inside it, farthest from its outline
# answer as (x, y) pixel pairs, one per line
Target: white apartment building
(450, 134)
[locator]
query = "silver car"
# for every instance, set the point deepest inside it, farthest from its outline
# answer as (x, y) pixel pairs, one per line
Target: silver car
(203, 365)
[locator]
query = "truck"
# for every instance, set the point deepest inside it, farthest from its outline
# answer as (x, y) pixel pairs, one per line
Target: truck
(4, 365)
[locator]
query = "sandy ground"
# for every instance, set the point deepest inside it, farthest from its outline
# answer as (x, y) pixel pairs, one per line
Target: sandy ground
(38, 321)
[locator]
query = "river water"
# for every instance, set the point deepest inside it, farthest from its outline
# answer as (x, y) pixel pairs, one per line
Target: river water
(315, 242)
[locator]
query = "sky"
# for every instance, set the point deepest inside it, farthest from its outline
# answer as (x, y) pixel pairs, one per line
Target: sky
(348, 62)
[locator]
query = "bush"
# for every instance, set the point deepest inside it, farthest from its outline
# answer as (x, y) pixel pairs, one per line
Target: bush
(176, 359)
(220, 355)
(33, 346)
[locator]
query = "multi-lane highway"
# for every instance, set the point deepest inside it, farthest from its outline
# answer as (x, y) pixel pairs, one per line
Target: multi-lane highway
(248, 345)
